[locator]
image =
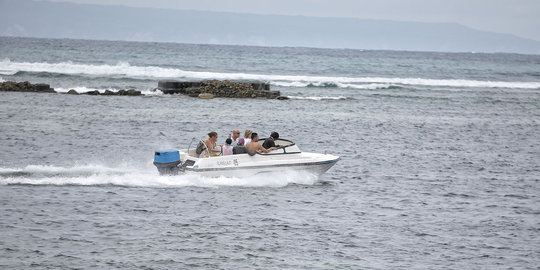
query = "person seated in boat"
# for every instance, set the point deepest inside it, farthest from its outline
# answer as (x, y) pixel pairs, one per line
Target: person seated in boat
(235, 136)
(211, 145)
(247, 136)
(271, 141)
(228, 148)
(254, 146)
(240, 148)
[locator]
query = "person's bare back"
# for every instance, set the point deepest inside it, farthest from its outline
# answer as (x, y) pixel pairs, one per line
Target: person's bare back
(254, 146)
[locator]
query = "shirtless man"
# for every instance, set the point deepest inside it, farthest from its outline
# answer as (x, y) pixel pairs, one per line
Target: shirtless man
(253, 146)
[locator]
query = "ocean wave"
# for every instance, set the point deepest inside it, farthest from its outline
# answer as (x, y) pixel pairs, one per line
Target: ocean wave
(319, 98)
(99, 175)
(84, 89)
(125, 70)
(319, 84)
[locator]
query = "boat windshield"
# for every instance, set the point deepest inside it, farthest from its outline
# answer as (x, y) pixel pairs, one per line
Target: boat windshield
(287, 147)
(282, 142)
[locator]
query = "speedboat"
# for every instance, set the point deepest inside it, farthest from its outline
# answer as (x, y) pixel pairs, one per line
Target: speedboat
(287, 157)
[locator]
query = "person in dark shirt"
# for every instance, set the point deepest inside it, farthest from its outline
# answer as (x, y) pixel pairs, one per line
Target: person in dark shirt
(240, 148)
(270, 141)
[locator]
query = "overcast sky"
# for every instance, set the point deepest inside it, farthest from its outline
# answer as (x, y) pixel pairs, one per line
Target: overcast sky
(518, 17)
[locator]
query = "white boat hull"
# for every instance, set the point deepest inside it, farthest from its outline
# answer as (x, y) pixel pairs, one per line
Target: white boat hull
(244, 165)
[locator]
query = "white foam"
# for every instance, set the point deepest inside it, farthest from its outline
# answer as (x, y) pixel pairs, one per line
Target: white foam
(124, 69)
(131, 176)
(365, 86)
(79, 89)
(4, 71)
(84, 89)
(318, 98)
(330, 84)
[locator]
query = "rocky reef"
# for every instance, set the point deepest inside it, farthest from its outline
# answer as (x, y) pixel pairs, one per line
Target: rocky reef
(202, 89)
(26, 87)
(130, 92)
(217, 88)
(45, 88)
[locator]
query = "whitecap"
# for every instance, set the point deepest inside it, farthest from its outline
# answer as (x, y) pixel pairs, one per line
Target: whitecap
(84, 89)
(124, 69)
(318, 98)
(125, 175)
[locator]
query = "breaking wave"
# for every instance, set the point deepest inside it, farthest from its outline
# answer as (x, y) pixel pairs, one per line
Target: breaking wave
(125, 70)
(98, 175)
(84, 89)
(319, 98)
(335, 85)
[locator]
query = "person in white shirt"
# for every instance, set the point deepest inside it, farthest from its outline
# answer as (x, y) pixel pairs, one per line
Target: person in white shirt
(235, 136)
(247, 136)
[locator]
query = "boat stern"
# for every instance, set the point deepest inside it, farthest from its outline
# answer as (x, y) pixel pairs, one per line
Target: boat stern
(167, 161)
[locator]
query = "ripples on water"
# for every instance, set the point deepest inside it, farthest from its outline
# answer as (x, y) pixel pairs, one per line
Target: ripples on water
(426, 180)
(431, 176)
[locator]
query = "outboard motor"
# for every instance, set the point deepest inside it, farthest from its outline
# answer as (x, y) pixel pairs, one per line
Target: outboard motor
(167, 161)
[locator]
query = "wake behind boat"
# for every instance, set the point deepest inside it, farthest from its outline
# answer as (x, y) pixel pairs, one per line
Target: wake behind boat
(287, 157)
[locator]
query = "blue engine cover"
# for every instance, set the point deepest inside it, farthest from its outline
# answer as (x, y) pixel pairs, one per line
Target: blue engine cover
(166, 156)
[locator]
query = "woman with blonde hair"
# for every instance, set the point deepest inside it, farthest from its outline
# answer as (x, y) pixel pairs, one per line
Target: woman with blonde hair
(247, 136)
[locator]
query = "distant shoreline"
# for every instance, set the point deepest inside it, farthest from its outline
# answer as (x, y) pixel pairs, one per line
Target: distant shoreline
(108, 22)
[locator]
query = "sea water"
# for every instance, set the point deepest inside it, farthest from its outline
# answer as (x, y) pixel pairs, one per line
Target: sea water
(440, 159)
